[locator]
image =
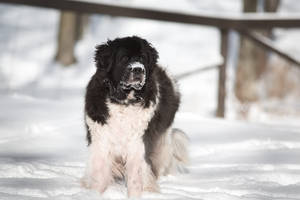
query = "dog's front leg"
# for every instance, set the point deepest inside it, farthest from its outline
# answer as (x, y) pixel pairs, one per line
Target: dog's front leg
(99, 167)
(134, 168)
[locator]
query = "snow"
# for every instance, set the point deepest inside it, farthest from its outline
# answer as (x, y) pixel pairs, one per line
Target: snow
(42, 136)
(43, 152)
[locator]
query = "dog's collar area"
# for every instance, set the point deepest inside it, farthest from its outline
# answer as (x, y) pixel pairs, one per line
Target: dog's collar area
(127, 102)
(129, 97)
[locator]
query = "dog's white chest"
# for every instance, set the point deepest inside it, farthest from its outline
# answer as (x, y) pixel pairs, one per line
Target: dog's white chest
(124, 126)
(128, 121)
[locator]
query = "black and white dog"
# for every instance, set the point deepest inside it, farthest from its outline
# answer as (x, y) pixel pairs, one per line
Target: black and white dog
(130, 105)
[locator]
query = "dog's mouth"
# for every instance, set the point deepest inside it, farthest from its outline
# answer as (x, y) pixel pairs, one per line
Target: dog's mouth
(134, 77)
(129, 86)
(136, 84)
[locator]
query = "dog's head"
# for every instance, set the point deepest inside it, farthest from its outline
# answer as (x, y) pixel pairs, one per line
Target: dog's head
(127, 62)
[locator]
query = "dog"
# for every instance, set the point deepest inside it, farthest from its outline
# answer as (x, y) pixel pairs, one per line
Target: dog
(130, 105)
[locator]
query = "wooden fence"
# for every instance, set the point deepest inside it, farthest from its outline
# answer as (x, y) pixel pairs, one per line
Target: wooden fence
(243, 24)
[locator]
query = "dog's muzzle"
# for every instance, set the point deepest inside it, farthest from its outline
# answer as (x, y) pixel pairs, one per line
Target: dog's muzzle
(134, 76)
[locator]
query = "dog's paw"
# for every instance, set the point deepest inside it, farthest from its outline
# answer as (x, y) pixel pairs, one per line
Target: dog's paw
(85, 183)
(92, 184)
(100, 187)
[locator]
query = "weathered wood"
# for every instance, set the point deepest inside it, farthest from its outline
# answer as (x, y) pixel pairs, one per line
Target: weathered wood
(222, 75)
(245, 21)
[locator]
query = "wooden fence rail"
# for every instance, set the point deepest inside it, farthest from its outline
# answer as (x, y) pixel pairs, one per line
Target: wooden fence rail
(244, 21)
(241, 23)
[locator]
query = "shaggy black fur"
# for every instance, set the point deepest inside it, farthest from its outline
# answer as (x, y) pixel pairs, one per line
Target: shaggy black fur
(110, 59)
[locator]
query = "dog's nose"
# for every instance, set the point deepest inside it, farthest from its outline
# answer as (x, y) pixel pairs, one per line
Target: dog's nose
(138, 70)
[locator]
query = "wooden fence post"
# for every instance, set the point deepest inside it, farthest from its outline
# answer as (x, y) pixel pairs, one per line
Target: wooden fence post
(222, 74)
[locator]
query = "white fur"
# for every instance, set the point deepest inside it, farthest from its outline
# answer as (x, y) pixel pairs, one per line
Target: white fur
(120, 138)
(118, 150)
(137, 65)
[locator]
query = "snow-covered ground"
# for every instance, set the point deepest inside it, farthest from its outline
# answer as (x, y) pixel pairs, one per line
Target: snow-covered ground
(43, 153)
(42, 137)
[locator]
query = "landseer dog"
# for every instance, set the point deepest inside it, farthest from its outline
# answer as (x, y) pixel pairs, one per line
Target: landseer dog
(130, 105)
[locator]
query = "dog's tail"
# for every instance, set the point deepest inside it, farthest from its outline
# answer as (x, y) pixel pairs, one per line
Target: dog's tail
(170, 155)
(179, 143)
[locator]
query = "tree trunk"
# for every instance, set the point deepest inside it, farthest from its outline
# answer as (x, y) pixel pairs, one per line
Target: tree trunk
(249, 60)
(66, 38)
(81, 24)
(271, 5)
(252, 60)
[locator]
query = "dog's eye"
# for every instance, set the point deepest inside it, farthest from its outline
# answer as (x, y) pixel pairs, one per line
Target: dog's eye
(143, 58)
(124, 59)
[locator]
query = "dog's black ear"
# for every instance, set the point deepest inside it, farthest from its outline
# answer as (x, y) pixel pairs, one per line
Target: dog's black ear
(153, 55)
(103, 56)
(151, 52)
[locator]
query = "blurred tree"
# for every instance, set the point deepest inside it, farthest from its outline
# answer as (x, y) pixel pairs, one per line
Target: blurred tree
(81, 24)
(252, 59)
(71, 29)
(66, 38)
